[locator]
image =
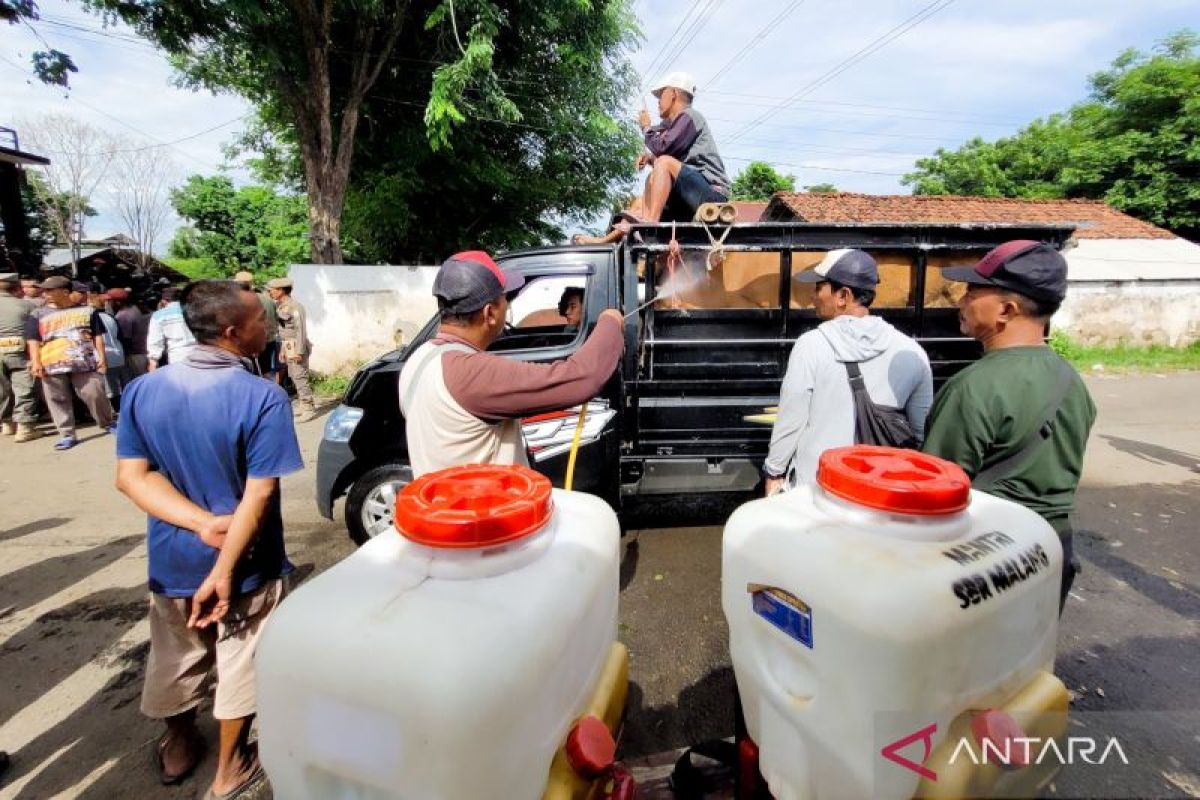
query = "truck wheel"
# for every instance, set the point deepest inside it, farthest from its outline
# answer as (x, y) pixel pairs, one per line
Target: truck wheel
(371, 501)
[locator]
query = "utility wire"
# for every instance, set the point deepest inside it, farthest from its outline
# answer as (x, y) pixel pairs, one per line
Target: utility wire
(866, 51)
(123, 123)
(697, 25)
(754, 40)
(776, 98)
(648, 74)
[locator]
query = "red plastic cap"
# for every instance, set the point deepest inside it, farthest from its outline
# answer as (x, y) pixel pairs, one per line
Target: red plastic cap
(590, 748)
(1001, 730)
(892, 479)
(474, 506)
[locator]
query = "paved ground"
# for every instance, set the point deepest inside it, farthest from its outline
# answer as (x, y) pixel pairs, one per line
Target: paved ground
(73, 635)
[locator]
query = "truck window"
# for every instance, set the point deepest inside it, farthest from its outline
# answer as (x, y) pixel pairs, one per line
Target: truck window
(534, 320)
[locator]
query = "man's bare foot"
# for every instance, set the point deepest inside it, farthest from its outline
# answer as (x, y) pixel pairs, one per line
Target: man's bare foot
(243, 770)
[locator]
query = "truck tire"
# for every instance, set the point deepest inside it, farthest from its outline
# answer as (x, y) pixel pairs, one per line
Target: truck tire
(371, 501)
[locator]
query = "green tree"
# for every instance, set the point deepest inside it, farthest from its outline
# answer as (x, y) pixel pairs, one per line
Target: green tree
(759, 180)
(322, 71)
(252, 228)
(50, 65)
(1134, 143)
(819, 188)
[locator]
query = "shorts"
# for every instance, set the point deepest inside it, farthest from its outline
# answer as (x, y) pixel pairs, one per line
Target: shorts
(179, 668)
(268, 359)
(688, 193)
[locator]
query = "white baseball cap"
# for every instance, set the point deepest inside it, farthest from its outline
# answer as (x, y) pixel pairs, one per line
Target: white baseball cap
(683, 81)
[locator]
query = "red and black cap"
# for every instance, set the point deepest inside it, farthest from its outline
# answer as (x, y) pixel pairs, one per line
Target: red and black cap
(1033, 269)
(468, 281)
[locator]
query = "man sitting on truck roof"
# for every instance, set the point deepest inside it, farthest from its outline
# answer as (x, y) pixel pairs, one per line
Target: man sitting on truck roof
(686, 169)
(817, 410)
(463, 405)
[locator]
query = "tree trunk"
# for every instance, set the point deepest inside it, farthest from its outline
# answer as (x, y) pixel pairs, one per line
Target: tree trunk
(325, 216)
(326, 158)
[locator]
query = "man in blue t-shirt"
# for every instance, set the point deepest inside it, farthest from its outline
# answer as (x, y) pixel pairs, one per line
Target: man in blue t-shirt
(201, 447)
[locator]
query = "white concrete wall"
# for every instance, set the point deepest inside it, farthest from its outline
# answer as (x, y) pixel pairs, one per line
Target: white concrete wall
(356, 313)
(1136, 291)
(1134, 312)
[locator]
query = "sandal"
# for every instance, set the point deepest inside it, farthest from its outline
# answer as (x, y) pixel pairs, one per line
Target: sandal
(160, 767)
(242, 789)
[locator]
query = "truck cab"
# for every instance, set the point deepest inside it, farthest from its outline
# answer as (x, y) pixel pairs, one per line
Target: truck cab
(710, 325)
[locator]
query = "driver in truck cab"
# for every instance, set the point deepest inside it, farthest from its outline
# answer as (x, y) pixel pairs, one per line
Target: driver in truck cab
(463, 405)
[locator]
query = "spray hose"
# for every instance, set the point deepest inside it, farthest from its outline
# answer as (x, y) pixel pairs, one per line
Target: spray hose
(570, 479)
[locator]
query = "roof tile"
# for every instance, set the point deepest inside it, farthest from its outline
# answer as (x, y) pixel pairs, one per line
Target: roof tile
(1093, 219)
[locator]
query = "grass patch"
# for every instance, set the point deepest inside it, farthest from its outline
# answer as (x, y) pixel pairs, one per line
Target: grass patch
(1126, 357)
(330, 385)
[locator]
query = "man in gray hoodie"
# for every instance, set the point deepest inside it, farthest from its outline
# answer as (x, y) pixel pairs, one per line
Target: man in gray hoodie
(816, 405)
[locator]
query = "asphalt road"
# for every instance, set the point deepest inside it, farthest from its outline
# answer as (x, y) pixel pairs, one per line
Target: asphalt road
(73, 630)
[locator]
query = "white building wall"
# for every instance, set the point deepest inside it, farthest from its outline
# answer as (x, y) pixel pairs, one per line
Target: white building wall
(356, 313)
(1134, 291)
(1131, 312)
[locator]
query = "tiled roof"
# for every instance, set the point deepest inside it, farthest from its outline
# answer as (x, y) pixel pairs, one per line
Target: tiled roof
(1093, 219)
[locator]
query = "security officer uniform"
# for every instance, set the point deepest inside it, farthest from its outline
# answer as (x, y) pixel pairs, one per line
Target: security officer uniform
(18, 403)
(295, 347)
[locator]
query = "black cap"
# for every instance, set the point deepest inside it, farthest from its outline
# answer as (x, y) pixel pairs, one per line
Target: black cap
(1029, 268)
(468, 281)
(853, 268)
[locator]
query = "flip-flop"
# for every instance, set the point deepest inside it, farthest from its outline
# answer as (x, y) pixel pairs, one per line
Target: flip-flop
(161, 769)
(241, 790)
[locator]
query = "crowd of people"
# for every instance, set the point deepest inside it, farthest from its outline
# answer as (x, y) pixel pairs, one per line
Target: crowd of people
(63, 341)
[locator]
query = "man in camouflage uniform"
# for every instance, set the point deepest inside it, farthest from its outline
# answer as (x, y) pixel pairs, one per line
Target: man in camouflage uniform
(295, 347)
(18, 403)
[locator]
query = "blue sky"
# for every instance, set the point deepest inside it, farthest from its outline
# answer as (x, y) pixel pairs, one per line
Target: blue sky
(973, 68)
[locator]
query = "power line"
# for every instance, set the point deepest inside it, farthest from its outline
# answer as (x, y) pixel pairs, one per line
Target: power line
(877, 114)
(796, 127)
(695, 29)
(866, 51)
(123, 123)
(107, 33)
(818, 167)
(171, 143)
(872, 105)
(758, 37)
(651, 66)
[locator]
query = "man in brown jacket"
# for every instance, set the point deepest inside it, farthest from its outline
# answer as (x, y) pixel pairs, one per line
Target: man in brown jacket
(463, 405)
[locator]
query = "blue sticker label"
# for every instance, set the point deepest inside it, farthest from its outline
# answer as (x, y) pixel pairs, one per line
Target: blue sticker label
(785, 611)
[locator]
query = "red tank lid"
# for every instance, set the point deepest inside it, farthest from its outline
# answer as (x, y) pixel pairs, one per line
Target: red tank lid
(477, 505)
(892, 479)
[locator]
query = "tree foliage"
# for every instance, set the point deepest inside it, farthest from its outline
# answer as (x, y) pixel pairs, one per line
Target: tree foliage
(467, 121)
(759, 180)
(821, 188)
(1134, 143)
(51, 65)
(251, 228)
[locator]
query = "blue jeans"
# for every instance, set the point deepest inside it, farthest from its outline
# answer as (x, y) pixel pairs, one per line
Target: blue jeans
(689, 191)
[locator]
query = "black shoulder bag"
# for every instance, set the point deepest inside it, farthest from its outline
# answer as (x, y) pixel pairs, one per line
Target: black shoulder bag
(876, 424)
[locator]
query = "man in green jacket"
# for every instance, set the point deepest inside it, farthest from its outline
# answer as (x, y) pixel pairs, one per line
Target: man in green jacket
(1018, 419)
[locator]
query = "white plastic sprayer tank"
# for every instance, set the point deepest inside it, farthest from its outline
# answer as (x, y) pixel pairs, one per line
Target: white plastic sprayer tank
(447, 663)
(886, 599)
